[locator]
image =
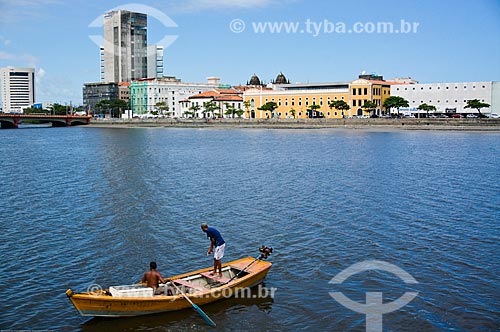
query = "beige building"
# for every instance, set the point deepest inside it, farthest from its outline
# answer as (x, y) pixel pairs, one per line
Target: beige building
(295, 100)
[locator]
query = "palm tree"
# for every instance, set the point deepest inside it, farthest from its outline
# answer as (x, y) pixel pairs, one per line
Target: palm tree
(210, 107)
(292, 112)
(230, 110)
(427, 108)
(340, 105)
(477, 104)
(246, 105)
(194, 109)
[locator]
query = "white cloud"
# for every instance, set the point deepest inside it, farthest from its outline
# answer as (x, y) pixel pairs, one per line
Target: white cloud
(4, 40)
(16, 10)
(25, 59)
(19, 60)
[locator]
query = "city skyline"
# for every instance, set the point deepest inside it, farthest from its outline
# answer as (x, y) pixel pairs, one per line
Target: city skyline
(452, 42)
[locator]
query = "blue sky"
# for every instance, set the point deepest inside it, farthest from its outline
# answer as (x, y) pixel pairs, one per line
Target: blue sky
(454, 41)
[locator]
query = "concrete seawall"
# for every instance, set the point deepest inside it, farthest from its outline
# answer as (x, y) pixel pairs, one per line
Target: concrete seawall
(404, 124)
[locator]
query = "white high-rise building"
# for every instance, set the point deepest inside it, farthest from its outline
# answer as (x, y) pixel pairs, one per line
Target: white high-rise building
(18, 88)
(124, 54)
(155, 61)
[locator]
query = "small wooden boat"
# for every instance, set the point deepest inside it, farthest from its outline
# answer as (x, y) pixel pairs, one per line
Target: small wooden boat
(199, 286)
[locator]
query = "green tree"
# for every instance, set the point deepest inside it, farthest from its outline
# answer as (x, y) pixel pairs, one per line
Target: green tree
(209, 108)
(311, 110)
(340, 105)
(395, 102)
(117, 107)
(425, 107)
(477, 104)
(270, 106)
(246, 106)
(230, 110)
(239, 112)
(369, 106)
(163, 107)
(292, 112)
(193, 110)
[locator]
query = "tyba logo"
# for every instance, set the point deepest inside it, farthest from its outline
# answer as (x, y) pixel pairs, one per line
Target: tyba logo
(374, 307)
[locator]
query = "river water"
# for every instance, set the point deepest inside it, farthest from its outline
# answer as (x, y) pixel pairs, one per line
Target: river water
(82, 206)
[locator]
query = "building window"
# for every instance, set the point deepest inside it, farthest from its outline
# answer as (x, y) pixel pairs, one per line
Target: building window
(359, 91)
(397, 89)
(353, 92)
(365, 91)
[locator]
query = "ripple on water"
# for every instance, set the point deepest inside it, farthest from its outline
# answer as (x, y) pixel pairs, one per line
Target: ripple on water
(96, 205)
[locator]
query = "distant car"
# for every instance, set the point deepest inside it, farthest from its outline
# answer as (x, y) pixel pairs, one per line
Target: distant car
(457, 116)
(432, 116)
(494, 116)
(471, 116)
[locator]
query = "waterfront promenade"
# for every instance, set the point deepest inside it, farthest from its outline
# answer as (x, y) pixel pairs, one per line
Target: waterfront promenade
(375, 124)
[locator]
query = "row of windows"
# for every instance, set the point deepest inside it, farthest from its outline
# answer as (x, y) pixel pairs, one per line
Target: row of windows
(446, 101)
(292, 101)
(447, 88)
(365, 91)
(287, 114)
(361, 102)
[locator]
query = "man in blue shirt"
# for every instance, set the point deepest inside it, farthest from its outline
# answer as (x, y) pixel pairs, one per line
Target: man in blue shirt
(217, 246)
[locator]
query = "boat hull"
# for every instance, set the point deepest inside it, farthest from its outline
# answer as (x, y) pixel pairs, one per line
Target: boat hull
(105, 305)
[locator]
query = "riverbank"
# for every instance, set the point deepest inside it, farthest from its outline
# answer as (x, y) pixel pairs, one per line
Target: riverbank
(382, 124)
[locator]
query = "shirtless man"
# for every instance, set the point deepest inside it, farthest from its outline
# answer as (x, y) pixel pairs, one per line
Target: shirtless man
(153, 278)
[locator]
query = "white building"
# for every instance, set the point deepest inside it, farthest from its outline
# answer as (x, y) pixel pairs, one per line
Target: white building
(449, 97)
(18, 88)
(155, 61)
(146, 93)
(224, 99)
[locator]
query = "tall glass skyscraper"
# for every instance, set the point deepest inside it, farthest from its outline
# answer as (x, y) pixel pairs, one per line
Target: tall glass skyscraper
(125, 46)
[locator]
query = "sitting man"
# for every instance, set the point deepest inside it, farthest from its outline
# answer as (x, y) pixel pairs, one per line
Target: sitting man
(152, 278)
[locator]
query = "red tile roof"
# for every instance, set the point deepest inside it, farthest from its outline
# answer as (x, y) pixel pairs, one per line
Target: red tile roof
(217, 93)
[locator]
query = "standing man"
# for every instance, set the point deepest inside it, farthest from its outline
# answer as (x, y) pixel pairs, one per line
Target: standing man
(217, 246)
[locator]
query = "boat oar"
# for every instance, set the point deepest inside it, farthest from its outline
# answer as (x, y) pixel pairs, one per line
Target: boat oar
(195, 307)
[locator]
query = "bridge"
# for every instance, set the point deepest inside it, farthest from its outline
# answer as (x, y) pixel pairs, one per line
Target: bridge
(13, 120)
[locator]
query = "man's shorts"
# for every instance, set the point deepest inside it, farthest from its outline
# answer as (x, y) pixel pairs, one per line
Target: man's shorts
(219, 252)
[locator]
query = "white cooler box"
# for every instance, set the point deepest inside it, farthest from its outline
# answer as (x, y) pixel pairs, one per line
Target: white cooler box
(131, 291)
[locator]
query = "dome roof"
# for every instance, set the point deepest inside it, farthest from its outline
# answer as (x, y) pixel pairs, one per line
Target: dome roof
(281, 79)
(254, 80)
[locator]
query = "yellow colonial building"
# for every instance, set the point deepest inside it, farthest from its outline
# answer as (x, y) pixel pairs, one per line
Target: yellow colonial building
(295, 100)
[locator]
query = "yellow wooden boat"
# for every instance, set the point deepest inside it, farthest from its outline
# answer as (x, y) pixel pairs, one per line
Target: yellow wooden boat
(199, 286)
